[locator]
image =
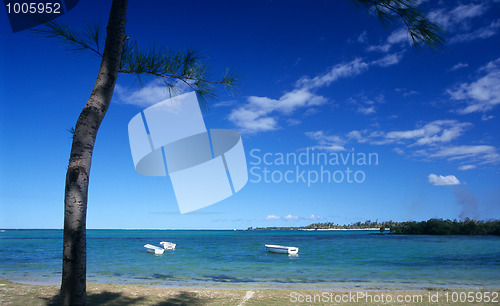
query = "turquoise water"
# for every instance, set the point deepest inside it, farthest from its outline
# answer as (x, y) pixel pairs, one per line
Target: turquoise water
(326, 259)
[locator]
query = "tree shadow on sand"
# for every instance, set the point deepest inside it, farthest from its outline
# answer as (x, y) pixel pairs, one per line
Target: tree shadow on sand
(184, 298)
(117, 298)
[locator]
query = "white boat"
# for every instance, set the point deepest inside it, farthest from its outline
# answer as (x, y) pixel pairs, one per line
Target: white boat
(168, 245)
(154, 249)
(282, 249)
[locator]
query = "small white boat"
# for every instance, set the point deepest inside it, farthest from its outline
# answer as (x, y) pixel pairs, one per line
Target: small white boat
(168, 245)
(282, 249)
(154, 249)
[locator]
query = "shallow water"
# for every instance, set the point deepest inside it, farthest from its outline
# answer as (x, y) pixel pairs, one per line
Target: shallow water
(326, 259)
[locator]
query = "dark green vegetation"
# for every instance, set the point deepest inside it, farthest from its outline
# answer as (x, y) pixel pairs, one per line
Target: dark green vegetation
(447, 227)
(429, 227)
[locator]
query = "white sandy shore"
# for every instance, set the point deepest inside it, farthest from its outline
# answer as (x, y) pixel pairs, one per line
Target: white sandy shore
(119, 294)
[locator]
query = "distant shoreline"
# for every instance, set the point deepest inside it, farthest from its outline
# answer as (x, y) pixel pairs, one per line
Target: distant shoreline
(429, 227)
(342, 229)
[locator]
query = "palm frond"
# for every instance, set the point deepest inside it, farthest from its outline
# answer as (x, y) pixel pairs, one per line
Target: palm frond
(176, 68)
(89, 39)
(93, 34)
(422, 31)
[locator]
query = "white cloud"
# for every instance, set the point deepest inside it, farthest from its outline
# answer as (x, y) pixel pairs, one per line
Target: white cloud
(313, 217)
(450, 20)
(290, 218)
(466, 167)
(389, 60)
(363, 37)
(330, 148)
(322, 138)
(483, 33)
(295, 99)
(397, 37)
(146, 96)
(443, 180)
(326, 142)
(459, 65)
(365, 105)
(439, 131)
(224, 103)
(480, 153)
(366, 110)
(433, 142)
(380, 48)
(410, 134)
(457, 22)
(406, 92)
(252, 121)
(399, 151)
(152, 93)
(261, 114)
(356, 135)
(484, 117)
(467, 11)
(272, 218)
(292, 121)
(343, 70)
(481, 95)
(448, 131)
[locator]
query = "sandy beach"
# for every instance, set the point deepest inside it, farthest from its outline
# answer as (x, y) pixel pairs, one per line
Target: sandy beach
(115, 294)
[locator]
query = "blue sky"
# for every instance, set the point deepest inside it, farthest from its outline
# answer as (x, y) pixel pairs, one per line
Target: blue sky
(317, 77)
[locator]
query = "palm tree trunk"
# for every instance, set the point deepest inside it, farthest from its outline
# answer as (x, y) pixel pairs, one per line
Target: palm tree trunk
(73, 286)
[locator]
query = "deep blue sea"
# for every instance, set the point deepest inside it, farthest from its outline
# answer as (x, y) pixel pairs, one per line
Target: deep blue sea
(213, 258)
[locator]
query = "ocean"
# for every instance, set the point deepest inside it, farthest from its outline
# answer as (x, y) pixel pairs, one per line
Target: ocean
(238, 259)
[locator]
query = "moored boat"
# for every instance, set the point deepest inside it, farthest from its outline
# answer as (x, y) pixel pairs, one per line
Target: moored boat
(282, 249)
(168, 245)
(154, 249)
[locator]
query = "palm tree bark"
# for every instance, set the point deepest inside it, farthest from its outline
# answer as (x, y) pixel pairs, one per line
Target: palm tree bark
(73, 286)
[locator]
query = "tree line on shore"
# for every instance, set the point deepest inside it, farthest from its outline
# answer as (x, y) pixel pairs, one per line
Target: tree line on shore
(448, 227)
(430, 227)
